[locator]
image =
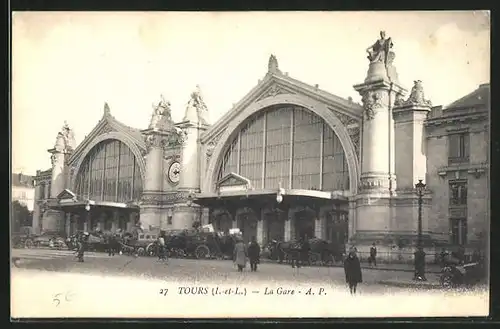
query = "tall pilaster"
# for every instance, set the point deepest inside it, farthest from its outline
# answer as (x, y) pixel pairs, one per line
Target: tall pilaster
(36, 210)
(411, 158)
(192, 126)
(378, 173)
(160, 132)
(409, 117)
(54, 220)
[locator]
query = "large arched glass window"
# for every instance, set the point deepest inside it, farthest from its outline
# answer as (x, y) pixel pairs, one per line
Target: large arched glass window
(287, 145)
(109, 172)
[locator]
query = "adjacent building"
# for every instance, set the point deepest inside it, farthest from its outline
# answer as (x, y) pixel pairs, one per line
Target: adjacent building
(288, 160)
(23, 189)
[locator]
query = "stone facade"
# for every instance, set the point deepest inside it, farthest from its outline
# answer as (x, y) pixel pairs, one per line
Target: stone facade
(391, 140)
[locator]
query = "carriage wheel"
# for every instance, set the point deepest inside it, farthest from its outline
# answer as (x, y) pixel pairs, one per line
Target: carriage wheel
(314, 258)
(202, 251)
(28, 244)
(447, 281)
(150, 249)
(141, 251)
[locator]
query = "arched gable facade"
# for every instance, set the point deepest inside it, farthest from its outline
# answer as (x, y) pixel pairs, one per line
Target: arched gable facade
(312, 105)
(105, 137)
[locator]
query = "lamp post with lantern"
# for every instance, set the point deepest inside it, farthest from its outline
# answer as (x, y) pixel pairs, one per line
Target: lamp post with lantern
(87, 219)
(420, 253)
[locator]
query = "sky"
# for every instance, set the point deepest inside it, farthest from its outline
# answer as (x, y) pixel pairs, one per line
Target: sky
(66, 65)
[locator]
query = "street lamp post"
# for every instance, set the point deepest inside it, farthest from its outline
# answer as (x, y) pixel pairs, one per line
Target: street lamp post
(420, 254)
(87, 219)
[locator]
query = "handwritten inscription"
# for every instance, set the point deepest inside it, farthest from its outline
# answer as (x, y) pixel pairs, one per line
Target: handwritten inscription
(65, 297)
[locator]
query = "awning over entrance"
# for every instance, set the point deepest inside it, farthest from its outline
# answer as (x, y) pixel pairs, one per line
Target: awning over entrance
(261, 198)
(234, 190)
(67, 200)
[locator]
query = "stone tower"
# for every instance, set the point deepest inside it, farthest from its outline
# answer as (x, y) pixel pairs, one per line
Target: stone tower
(194, 123)
(160, 134)
(374, 208)
(53, 220)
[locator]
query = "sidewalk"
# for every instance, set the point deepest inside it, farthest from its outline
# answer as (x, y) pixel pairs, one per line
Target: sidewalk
(429, 268)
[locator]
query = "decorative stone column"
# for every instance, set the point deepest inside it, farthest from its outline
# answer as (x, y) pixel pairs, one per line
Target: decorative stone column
(53, 220)
(67, 224)
(205, 216)
(36, 210)
(411, 161)
(194, 123)
(290, 226)
(160, 133)
(319, 226)
(378, 177)
(114, 223)
(260, 231)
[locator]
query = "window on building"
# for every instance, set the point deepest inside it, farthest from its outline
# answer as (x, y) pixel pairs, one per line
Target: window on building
(42, 191)
(458, 193)
(48, 190)
(169, 220)
(458, 231)
(287, 145)
(458, 150)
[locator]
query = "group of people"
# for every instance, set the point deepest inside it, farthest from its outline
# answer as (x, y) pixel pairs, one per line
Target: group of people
(242, 252)
(352, 265)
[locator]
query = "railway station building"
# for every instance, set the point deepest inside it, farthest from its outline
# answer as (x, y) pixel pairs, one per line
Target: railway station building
(287, 160)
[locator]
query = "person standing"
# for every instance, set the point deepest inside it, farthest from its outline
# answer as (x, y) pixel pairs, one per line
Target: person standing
(161, 247)
(253, 254)
(305, 247)
(352, 269)
(373, 255)
(240, 254)
(81, 246)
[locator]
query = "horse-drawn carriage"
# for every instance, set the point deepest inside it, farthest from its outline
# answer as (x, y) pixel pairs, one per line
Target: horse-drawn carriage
(199, 244)
(314, 252)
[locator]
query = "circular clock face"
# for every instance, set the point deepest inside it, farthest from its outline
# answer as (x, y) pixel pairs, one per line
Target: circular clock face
(174, 172)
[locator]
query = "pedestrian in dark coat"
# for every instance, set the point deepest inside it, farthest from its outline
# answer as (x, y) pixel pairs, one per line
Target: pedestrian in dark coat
(240, 255)
(304, 251)
(352, 269)
(254, 254)
(373, 255)
(81, 247)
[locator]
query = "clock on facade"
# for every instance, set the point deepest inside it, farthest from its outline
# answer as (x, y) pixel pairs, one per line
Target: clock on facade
(174, 172)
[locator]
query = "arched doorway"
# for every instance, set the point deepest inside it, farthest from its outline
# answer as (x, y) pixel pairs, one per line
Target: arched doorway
(247, 223)
(222, 222)
(337, 230)
(304, 224)
(275, 226)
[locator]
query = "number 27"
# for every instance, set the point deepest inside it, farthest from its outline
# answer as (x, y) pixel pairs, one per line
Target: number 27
(163, 292)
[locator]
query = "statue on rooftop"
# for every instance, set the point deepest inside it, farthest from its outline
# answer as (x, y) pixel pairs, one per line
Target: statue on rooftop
(197, 103)
(65, 140)
(272, 66)
(162, 115)
(380, 51)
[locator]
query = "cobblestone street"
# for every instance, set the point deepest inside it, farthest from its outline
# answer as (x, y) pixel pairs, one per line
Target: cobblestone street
(213, 271)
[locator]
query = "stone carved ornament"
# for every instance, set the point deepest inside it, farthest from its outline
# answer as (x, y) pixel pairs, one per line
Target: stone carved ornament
(65, 140)
(371, 101)
(416, 97)
(380, 51)
(211, 146)
(354, 133)
(161, 119)
(272, 65)
(159, 199)
(196, 101)
(175, 138)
